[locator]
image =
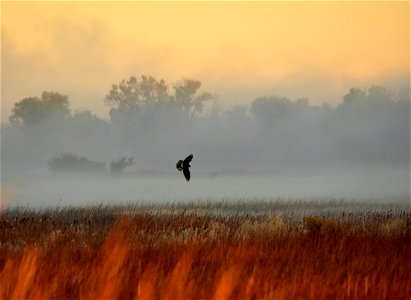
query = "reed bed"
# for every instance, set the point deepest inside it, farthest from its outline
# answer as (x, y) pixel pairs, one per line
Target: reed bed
(187, 251)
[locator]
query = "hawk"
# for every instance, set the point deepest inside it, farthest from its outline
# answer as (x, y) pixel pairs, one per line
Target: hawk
(184, 165)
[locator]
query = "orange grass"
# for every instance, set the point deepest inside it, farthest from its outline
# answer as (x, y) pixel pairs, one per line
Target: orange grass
(87, 254)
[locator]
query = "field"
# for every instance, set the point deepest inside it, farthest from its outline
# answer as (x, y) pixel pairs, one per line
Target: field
(246, 249)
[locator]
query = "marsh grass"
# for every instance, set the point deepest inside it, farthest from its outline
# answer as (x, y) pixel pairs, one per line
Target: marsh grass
(266, 249)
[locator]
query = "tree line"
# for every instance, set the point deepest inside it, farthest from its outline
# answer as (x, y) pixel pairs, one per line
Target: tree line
(149, 116)
(128, 100)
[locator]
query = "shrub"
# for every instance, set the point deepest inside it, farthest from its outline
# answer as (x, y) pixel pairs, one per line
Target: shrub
(68, 162)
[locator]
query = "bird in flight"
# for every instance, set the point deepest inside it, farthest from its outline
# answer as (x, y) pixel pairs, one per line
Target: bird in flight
(184, 165)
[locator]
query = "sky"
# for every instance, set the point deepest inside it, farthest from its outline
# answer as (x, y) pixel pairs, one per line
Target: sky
(238, 50)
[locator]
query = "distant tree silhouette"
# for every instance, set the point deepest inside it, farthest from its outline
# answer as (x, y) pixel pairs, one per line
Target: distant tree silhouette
(86, 124)
(274, 107)
(380, 95)
(69, 162)
(187, 99)
(369, 126)
(33, 110)
(376, 96)
(134, 92)
(134, 97)
(355, 95)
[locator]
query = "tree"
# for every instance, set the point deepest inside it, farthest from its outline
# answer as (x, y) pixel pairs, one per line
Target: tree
(380, 95)
(154, 92)
(187, 99)
(28, 111)
(33, 110)
(355, 95)
(128, 97)
(358, 101)
(274, 107)
(134, 97)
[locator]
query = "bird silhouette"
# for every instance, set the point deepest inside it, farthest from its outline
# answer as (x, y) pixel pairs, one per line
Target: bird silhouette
(184, 165)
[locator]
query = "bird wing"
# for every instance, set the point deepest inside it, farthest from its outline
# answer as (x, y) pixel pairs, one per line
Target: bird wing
(188, 159)
(186, 173)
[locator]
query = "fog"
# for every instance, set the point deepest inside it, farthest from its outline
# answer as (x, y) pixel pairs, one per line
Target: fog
(274, 148)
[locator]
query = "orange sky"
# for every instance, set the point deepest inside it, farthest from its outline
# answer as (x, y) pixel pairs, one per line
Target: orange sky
(239, 50)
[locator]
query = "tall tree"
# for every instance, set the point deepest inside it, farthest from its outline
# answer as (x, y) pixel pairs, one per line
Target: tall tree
(33, 110)
(187, 99)
(133, 97)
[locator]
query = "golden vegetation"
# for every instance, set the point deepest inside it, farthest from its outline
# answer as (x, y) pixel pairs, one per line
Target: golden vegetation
(112, 253)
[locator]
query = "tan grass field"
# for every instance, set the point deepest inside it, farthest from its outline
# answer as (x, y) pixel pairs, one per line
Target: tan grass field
(193, 252)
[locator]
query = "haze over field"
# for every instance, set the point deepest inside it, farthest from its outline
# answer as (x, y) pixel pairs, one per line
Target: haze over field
(240, 51)
(100, 100)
